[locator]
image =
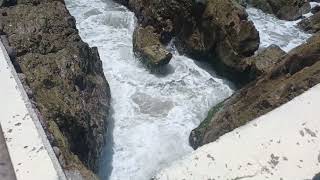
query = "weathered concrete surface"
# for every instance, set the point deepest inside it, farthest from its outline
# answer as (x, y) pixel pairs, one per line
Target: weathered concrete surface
(31, 154)
(6, 169)
(283, 144)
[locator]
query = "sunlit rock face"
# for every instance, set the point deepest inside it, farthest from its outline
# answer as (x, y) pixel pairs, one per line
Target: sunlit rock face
(65, 76)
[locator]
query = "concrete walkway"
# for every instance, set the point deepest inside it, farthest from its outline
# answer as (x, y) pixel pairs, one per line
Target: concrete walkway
(282, 145)
(31, 154)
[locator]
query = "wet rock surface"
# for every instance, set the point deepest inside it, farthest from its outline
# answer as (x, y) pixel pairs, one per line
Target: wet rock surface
(315, 9)
(291, 76)
(147, 45)
(65, 76)
(223, 36)
(218, 31)
(311, 24)
(263, 61)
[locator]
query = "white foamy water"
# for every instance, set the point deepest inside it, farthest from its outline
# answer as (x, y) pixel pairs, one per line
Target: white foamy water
(272, 30)
(153, 114)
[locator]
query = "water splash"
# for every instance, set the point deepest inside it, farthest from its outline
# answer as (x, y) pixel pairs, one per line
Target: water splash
(272, 30)
(153, 114)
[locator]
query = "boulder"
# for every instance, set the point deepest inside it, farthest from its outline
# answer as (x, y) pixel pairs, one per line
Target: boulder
(147, 46)
(283, 9)
(295, 73)
(216, 30)
(222, 36)
(264, 61)
(315, 9)
(234, 29)
(311, 24)
(167, 17)
(66, 79)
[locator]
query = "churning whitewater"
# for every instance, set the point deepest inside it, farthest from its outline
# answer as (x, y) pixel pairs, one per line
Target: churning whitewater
(272, 30)
(153, 114)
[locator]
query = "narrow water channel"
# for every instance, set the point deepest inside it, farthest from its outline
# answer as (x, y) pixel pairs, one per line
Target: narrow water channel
(153, 114)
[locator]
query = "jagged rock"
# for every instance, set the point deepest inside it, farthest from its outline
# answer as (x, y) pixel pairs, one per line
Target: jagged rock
(147, 45)
(283, 9)
(315, 9)
(65, 76)
(311, 24)
(295, 73)
(264, 61)
(166, 16)
(225, 32)
(223, 35)
(156, 56)
(216, 30)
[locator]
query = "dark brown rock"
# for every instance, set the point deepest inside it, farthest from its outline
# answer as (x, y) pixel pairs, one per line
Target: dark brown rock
(315, 9)
(147, 45)
(292, 75)
(311, 24)
(216, 30)
(263, 62)
(65, 76)
(226, 33)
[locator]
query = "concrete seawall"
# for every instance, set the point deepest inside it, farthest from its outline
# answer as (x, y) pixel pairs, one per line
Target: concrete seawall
(31, 154)
(283, 144)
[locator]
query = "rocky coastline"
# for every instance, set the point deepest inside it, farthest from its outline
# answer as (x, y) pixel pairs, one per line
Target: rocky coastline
(219, 32)
(63, 77)
(276, 78)
(293, 74)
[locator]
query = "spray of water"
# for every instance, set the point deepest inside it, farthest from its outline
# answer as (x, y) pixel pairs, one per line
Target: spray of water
(153, 114)
(285, 34)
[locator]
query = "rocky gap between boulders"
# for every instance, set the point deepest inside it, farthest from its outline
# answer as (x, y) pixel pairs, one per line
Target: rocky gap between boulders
(217, 31)
(197, 32)
(267, 79)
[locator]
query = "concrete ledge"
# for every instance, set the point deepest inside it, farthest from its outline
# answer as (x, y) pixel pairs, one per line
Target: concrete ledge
(281, 145)
(30, 151)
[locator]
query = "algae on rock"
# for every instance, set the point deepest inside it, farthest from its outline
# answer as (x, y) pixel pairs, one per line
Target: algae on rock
(294, 73)
(66, 78)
